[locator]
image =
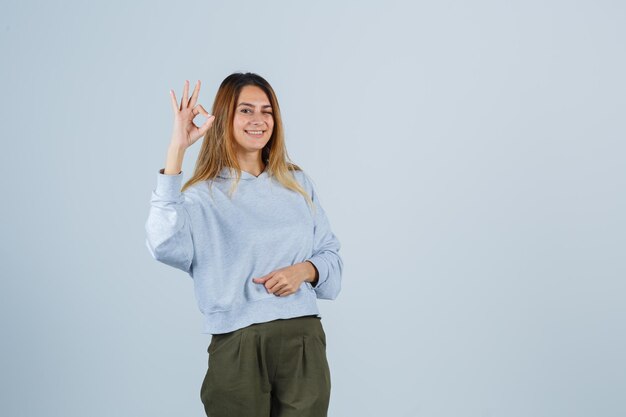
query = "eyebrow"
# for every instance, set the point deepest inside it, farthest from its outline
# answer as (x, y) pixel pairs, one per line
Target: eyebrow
(252, 105)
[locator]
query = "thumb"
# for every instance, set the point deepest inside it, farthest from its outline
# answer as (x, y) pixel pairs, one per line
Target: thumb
(261, 280)
(202, 130)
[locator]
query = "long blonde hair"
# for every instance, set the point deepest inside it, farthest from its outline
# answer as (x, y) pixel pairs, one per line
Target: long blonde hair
(217, 149)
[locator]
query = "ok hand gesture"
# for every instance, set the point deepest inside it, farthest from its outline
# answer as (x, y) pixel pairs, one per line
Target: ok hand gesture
(185, 133)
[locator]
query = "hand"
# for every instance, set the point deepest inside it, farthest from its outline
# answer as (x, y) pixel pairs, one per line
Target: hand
(185, 133)
(284, 281)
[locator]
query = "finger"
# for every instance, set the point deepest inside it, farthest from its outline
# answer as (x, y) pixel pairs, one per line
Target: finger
(260, 278)
(202, 129)
(279, 287)
(194, 94)
(271, 283)
(267, 276)
(173, 100)
(284, 291)
(202, 110)
(260, 281)
(185, 98)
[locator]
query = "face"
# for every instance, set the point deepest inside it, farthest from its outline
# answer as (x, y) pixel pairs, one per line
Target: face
(254, 121)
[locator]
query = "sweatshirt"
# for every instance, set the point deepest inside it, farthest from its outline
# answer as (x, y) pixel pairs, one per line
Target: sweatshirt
(224, 243)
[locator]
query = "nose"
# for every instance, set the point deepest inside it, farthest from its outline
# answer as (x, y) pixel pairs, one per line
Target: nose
(257, 119)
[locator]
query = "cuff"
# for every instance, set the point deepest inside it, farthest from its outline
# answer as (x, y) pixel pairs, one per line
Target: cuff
(316, 279)
(168, 186)
(322, 269)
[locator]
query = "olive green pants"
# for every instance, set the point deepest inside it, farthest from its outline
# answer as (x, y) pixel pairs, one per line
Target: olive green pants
(273, 369)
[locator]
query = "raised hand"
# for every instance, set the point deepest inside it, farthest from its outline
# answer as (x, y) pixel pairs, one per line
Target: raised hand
(185, 133)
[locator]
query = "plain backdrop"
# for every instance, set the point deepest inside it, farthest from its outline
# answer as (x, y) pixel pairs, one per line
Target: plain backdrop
(470, 156)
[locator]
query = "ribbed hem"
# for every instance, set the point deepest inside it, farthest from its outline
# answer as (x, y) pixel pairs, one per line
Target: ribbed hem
(259, 312)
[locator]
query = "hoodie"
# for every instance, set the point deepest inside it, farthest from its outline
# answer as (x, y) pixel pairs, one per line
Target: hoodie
(222, 243)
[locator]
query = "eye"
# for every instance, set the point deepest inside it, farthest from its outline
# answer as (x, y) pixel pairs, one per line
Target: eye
(245, 110)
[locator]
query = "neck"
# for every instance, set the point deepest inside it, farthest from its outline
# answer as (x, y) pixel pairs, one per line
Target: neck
(251, 163)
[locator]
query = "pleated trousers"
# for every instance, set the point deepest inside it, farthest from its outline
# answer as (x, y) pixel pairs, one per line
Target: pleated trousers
(273, 369)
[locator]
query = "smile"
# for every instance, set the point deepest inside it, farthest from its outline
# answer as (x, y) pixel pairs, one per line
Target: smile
(255, 133)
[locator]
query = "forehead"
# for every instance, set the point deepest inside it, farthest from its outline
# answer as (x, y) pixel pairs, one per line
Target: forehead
(254, 95)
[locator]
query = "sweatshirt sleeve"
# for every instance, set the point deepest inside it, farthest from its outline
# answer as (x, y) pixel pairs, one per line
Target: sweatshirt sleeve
(325, 258)
(168, 228)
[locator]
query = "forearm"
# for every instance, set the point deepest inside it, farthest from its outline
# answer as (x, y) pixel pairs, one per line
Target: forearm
(174, 162)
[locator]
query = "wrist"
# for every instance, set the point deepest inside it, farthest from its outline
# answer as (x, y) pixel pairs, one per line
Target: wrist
(312, 274)
(174, 147)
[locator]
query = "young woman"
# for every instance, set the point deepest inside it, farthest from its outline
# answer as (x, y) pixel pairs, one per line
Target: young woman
(249, 229)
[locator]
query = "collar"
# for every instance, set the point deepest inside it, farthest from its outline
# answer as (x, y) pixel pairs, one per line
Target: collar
(226, 172)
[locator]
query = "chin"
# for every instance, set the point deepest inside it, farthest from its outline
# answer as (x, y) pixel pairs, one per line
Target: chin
(247, 147)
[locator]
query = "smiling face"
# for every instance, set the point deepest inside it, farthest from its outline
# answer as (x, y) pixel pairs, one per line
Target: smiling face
(253, 122)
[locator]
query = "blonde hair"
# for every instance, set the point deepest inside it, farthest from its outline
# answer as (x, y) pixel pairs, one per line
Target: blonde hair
(217, 149)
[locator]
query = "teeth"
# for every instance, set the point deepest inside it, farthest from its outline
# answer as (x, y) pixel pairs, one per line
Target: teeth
(254, 132)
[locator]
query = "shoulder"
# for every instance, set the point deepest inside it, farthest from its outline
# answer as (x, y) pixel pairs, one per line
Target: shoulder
(303, 178)
(196, 193)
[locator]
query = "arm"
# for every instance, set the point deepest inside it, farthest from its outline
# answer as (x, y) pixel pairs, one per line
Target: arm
(168, 227)
(326, 259)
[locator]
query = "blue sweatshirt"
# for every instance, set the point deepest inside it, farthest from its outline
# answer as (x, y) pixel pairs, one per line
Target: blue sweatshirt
(222, 244)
